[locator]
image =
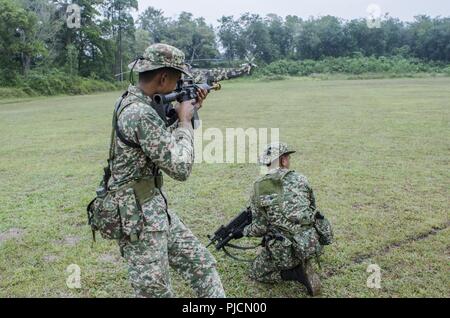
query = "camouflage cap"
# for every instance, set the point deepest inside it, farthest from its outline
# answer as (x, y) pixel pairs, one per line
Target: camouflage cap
(160, 55)
(274, 151)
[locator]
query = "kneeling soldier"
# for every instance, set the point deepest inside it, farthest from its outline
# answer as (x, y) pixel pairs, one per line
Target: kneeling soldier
(284, 213)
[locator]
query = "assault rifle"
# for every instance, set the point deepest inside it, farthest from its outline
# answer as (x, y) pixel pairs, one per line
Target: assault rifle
(186, 90)
(232, 230)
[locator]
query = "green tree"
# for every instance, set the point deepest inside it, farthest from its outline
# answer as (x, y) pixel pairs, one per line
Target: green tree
(154, 22)
(257, 38)
(193, 36)
(19, 45)
(430, 38)
(280, 37)
(119, 27)
(143, 40)
(323, 37)
(395, 36)
(47, 26)
(293, 27)
(230, 34)
(368, 41)
(95, 50)
(72, 60)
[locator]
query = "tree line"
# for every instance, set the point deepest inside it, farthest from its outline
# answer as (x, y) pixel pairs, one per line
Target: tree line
(35, 39)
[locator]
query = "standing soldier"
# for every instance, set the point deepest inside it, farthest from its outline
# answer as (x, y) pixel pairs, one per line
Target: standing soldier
(284, 213)
(151, 237)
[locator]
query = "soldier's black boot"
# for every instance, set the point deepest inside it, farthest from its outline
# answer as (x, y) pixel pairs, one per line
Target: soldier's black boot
(306, 275)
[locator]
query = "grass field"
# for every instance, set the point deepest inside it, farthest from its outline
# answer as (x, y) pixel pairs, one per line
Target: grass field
(375, 151)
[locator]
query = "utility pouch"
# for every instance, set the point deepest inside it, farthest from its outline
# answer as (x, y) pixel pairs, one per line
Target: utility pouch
(307, 243)
(104, 216)
(118, 214)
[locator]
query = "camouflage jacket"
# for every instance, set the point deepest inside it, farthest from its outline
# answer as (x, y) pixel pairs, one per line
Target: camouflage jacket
(170, 151)
(287, 217)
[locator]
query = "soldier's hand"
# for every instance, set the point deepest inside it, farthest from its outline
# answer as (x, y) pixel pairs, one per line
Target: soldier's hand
(185, 111)
(201, 93)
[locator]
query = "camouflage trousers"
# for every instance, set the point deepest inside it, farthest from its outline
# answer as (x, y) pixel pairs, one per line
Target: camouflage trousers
(272, 259)
(149, 260)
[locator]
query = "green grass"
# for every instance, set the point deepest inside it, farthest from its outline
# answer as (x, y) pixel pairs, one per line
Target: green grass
(375, 151)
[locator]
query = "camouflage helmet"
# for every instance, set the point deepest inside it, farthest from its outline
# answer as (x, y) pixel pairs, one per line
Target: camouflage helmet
(274, 151)
(158, 56)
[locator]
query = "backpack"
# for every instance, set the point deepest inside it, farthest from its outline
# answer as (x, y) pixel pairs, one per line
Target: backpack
(308, 242)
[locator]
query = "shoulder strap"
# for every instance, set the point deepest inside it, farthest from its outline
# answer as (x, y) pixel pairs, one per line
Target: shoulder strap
(116, 132)
(114, 120)
(119, 108)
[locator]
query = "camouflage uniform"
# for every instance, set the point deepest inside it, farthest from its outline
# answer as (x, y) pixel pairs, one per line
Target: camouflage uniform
(220, 74)
(284, 218)
(163, 238)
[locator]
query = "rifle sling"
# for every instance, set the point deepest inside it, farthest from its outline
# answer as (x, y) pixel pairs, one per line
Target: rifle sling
(235, 257)
(237, 247)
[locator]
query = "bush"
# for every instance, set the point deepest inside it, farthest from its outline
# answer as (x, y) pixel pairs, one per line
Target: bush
(357, 65)
(10, 92)
(447, 70)
(274, 78)
(55, 82)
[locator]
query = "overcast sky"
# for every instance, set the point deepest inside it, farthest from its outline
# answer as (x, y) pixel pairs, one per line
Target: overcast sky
(212, 10)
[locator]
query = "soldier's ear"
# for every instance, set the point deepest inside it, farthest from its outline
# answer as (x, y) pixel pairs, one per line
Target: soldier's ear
(162, 77)
(284, 160)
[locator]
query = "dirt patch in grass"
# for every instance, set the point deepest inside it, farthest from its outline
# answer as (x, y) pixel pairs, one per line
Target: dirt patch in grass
(108, 258)
(12, 234)
(69, 241)
(50, 258)
(358, 259)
